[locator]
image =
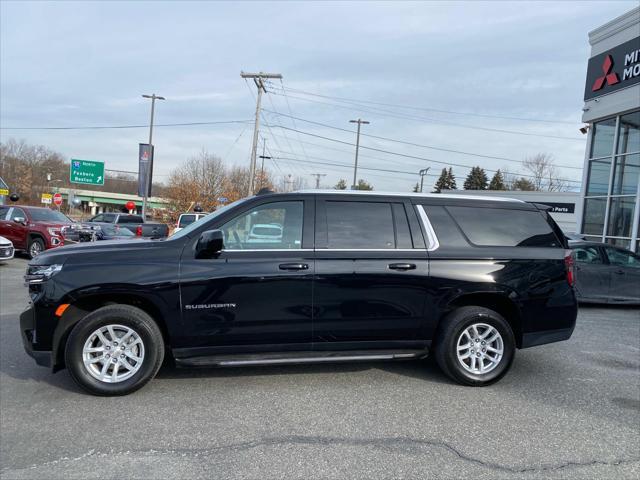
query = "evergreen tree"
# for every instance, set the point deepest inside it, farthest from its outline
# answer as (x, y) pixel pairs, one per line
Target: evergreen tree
(497, 182)
(523, 184)
(341, 185)
(416, 189)
(363, 185)
(442, 183)
(476, 180)
(451, 180)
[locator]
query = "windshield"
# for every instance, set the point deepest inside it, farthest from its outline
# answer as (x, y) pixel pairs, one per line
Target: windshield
(186, 220)
(190, 228)
(47, 215)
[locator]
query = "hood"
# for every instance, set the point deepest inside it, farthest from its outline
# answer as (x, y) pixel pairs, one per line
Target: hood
(52, 224)
(107, 249)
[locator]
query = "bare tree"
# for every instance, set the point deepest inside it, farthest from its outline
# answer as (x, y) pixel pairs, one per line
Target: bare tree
(544, 173)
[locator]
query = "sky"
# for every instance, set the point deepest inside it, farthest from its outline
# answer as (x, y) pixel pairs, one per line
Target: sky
(495, 81)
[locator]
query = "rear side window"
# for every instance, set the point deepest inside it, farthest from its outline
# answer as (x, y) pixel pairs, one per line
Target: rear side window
(501, 227)
(130, 219)
(360, 225)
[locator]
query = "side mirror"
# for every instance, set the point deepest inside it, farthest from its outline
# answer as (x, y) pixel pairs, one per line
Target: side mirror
(209, 244)
(20, 220)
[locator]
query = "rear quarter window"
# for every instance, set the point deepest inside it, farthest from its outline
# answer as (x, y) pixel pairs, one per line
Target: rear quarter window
(503, 227)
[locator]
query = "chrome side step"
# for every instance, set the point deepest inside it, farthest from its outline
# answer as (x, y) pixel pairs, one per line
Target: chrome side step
(296, 358)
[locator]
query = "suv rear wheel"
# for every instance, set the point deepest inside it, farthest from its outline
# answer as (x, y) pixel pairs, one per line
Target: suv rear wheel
(114, 350)
(475, 346)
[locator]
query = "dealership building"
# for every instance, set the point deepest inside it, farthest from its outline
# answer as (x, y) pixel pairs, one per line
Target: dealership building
(610, 196)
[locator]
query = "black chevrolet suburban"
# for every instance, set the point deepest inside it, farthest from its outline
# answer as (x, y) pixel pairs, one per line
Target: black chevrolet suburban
(350, 276)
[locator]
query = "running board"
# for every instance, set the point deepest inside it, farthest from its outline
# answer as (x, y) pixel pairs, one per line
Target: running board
(292, 358)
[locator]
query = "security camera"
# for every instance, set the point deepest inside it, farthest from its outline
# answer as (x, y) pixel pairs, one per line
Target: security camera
(584, 130)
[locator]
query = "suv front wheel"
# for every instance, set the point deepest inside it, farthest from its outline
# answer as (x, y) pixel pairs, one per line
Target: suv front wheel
(114, 350)
(475, 346)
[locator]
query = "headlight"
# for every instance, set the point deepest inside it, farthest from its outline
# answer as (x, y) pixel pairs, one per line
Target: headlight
(40, 273)
(54, 232)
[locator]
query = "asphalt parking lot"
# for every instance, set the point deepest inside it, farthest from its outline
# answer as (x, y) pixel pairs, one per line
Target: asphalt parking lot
(567, 410)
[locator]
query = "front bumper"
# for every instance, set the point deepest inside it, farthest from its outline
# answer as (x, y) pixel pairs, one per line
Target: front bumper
(29, 338)
(6, 252)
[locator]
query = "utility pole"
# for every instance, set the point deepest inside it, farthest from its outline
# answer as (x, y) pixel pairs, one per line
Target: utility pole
(147, 180)
(318, 176)
(355, 168)
(263, 157)
(258, 80)
(422, 174)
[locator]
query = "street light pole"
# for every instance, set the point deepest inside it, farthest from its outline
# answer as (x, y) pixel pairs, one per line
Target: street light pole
(147, 180)
(422, 174)
(355, 168)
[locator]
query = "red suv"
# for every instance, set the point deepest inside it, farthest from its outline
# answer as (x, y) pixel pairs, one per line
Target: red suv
(33, 229)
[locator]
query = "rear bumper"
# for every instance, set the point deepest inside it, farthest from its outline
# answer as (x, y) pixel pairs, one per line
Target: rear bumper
(548, 336)
(29, 338)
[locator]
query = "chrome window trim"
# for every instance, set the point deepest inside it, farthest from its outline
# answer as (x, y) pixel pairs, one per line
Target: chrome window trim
(431, 234)
(252, 250)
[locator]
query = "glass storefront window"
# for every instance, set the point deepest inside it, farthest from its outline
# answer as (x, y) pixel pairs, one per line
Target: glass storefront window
(629, 139)
(619, 242)
(594, 209)
(626, 175)
(598, 177)
(602, 143)
(621, 216)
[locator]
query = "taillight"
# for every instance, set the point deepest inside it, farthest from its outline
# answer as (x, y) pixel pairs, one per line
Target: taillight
(139, 231)
(570, 267)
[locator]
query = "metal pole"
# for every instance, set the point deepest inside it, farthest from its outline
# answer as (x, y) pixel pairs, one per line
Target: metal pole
(147, 180)
(422, 174)
(355, 167)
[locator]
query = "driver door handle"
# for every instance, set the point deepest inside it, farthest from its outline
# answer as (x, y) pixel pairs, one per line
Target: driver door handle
(294, 266)
(402, 266)
(619, 271)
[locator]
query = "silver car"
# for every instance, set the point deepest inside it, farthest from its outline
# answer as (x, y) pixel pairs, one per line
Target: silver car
(6, 249)
(606, 274)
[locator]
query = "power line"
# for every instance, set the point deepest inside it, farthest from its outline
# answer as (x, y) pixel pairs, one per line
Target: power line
(472, 114)
(410, 156)
(382, 112)
(431, 147)
(107, 127)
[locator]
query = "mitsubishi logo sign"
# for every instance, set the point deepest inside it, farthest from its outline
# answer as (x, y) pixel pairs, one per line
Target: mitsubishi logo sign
(610, 77)
(613, 70)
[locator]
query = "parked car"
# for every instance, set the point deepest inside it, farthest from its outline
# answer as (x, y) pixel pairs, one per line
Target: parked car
(104, 231)
(6, 249)
(187, 219)
(355, 276)
(606, 274)
(265, 233)
(135, 223)
(33, 229)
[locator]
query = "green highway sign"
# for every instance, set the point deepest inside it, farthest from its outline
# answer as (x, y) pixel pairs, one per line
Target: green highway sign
(89, 172)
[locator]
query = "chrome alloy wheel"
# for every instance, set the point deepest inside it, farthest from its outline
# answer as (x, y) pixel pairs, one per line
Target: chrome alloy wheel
(113, 353)
(35, 249)
(480, 348)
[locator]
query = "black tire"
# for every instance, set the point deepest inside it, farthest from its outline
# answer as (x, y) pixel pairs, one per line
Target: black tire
(445, 349)
(35, 243)
(127, 316)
